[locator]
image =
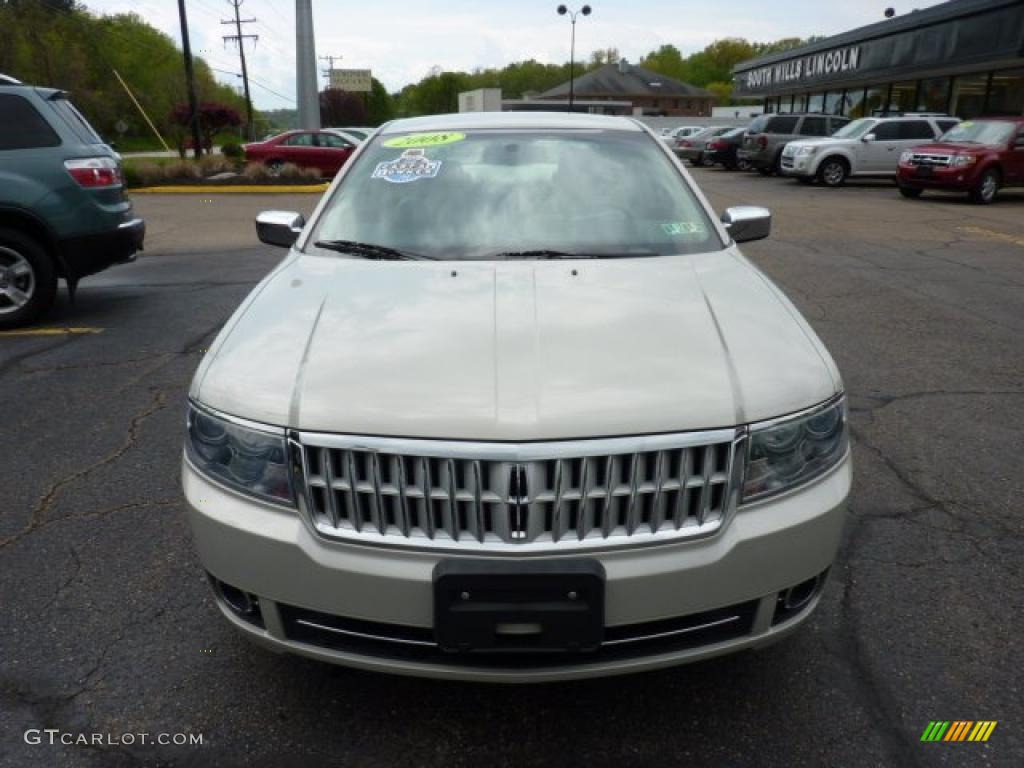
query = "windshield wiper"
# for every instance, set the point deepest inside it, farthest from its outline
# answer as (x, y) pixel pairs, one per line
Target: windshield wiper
(370, 250)
(543, 254)
(550, 254)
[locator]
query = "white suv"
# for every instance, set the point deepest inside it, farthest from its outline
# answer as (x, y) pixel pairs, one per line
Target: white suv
(870, 146)
(514, 407)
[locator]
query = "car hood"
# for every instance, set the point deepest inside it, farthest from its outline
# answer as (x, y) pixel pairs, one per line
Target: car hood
(515, 350)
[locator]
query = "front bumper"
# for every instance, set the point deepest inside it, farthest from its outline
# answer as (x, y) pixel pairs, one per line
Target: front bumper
(798, 165)
(951, 179)
(378, 602)
(88, 254)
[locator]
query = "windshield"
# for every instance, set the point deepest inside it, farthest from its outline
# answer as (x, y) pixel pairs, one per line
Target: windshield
(979, 132)
(486, 194)
(856, 129)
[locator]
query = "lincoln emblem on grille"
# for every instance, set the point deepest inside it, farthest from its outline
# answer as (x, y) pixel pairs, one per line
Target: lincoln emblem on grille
(518, 502)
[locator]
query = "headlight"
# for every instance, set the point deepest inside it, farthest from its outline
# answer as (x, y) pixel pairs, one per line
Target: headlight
(959, 161)
(806, 151)
(787, 453)
(251, 460)
(906, 157)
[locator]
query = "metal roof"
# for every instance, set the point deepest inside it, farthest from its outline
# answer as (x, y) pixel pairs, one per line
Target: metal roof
(464, 121)
(625, 79)
(937, 14)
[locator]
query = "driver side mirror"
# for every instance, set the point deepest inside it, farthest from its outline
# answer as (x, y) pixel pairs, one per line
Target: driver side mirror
(281, 228)
(747, 222)
(868, 138)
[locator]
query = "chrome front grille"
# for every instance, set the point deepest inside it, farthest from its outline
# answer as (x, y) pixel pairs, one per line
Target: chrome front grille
(921, 158)
(527, 496)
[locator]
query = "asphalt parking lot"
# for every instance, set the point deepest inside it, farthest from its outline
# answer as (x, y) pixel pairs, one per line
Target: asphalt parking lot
(108, 625)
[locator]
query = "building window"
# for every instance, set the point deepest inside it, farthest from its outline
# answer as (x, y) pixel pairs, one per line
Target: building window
(875, 100)
(834, 103)
(854, 102)
(816, 103)
(933, 95)
(1006, 93)
(969, 95)
(903, 97)
(768, 106)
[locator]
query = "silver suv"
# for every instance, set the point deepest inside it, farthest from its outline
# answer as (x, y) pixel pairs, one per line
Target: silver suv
(767, 135)
(870, 146)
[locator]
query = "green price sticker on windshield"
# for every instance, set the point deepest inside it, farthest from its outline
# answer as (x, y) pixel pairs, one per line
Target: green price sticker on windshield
(417, 140)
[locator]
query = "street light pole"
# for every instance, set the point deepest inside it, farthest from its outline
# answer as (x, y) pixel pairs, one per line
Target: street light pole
(562, 11)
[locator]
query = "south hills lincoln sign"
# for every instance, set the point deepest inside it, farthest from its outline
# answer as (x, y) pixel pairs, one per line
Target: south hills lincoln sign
(805, 69)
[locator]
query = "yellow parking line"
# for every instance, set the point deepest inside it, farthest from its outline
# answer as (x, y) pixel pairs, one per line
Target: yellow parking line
(992, 235)
(50, 331)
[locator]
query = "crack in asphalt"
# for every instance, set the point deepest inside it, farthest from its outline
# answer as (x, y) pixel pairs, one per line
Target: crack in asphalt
(47, 500)
(11, 363)
(96, 364)
(884, 401)
(67, 582)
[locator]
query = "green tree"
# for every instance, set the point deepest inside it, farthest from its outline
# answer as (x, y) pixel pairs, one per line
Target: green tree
(380, 106)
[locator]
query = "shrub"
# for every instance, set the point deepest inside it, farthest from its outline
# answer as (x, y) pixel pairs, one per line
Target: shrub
(183, 170)
(213, 164)
(232, 149)
(292, 172)
(256, 172)
(144, 174)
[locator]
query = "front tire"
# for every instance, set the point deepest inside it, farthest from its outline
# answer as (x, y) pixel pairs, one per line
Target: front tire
(987, 188)
(274, 167)
(28, 280)
(833, 172)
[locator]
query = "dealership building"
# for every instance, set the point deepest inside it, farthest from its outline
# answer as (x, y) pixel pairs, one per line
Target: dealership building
(963, 58)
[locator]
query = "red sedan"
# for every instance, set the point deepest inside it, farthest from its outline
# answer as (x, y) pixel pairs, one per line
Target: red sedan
(321, 150)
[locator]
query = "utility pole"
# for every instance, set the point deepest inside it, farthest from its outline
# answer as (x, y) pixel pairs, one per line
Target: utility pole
(306, 91)
(330, 67)
(190, 81)
(240, 39)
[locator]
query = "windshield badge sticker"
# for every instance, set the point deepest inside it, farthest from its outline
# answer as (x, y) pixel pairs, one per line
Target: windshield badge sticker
(682, 228)
(416, 140)
(413, 164)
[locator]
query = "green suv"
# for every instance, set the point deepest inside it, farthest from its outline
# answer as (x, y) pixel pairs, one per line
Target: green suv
(63, 209)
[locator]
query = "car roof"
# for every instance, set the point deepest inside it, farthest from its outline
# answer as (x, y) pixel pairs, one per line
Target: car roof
(510, 120)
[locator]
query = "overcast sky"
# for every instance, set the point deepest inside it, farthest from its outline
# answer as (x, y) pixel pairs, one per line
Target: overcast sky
(400, 40)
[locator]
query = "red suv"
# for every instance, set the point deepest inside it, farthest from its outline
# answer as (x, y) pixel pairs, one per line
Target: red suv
(976, 156)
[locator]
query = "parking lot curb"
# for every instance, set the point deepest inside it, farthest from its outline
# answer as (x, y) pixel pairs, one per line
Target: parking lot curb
(206, 189)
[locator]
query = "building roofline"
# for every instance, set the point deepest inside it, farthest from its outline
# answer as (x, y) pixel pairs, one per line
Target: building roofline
(937, 14)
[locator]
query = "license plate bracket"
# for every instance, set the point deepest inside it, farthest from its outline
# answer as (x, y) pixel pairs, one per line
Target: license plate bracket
(543, 606)
(923, 171)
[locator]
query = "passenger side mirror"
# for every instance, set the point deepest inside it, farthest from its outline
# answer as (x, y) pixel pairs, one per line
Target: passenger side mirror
(281, 228)
(747, 222)
(867, 138)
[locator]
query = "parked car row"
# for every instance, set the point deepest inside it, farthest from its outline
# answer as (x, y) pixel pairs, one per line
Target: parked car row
(920, 151)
